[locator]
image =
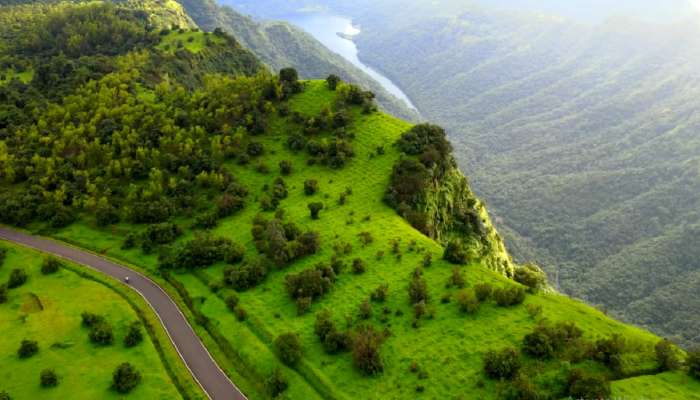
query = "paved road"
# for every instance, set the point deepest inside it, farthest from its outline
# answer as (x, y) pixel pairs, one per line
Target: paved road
(205, 370)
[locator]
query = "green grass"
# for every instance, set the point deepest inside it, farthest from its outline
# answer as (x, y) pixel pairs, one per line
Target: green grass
(47, 309)
(192, 41)
(667, 386)
(10, 74)
(449, 346)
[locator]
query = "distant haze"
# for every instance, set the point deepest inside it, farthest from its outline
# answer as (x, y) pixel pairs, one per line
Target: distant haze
(599, 10)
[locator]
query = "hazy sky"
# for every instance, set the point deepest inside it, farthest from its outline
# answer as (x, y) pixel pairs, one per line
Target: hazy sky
(599, 10)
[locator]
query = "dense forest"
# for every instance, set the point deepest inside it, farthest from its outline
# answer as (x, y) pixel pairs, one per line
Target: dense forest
(582, 138)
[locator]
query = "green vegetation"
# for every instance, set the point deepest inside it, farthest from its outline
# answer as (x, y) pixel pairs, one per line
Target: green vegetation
(45, 345)
(172, 177)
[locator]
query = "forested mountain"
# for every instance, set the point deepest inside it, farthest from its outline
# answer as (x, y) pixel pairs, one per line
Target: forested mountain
(583, 138)
(318, 247)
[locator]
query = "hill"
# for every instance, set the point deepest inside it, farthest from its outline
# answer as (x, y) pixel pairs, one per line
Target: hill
(581, 138)
(320, 248)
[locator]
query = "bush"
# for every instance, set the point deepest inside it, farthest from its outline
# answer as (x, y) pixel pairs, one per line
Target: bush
(255, 149)
(134, 335)
(456, 253)
(232, 301)
(101, 334)
(324, 324)
(315, 209)
(51, 265)
(241, 313)
(202, 251)
(3, 254)
(359, 266)
(380, 293)
(509, 296)
(504, 364)
(365, 310)
(276, 383)
(418, 290)
(90, 319)
(582, 385)
(310, 187)
(303, 305)
(5, 396)
(288, 348)
(48, 378)
(534, 310)
(159, 234)
(667, 355)
(468, 303)
(337, 341)
(18, 277)
(519, 388)
(106, 214)
(457, 279)
(285, 167)
(332, 81)
(366, 350)
(545, 340)
(609, 351)
(246, 276)
(28, 348)
(531, 276)
(125, 378)
(228, 205)
(311, 283)
(483, 291)
(693, 363)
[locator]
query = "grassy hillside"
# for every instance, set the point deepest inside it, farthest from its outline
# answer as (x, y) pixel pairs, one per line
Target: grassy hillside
(582, 139)
(320, 248)
(48, 308)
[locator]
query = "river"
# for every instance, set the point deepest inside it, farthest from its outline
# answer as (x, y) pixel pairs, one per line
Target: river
(325, 28)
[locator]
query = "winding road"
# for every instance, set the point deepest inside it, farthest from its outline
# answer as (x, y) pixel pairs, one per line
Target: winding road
(203, 367)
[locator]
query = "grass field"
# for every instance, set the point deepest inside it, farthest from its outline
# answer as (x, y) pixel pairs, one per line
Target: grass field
(447, 347)
(48, 309)
(193, 41)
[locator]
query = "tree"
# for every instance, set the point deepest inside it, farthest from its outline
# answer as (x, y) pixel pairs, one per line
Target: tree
(333, 81)
(456, 253)
(18, 277)
(609, 351)
(503, 364)
(101, 334)
(28, 348)
(285, 167)
(531, 276)
(277, 383)
(693, 362)
(50, 265)
(125, 378)
(667, 355)
(134, 335)
(315, 208)
(288, 348)
(48, 378)
(310, 187)
(232, 301)
(366, 350)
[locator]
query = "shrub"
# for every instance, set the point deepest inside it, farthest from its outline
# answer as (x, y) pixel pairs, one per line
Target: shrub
(503, 364)
(241, 313)
(324, 324)
(5, 396)
(51, 265)
(468, 302)
(48, 378)
(366, 350)
(315, 209)
(303, 305)
(285, 167)
(531, 276)
(366, 238)
(456, 253)
(159, 234)
(202, 251)
(483, 291)
(418, 290)
(693, 362)
(3, 293)
(519, 388)
(427, 260)
(667, 355)
(28, 348)
(134, 335)
(380, 293)
(337, 341)
(288, 348)
(125, 378)
(359, 266)
(3, 254)
(232, 301)
(101, 334)
(332, 81)
(246, 276)
(276, 383)
(311, 283)
(106, 214)
(547, 339)
(228, 205)
(365, 310)
(89, 319)
(457, 279)
(534, 310)
(255, 149)
(609, 351)
(509, 296)
(538, 344)
(18, 277)
(310, 187)
(582, 385)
